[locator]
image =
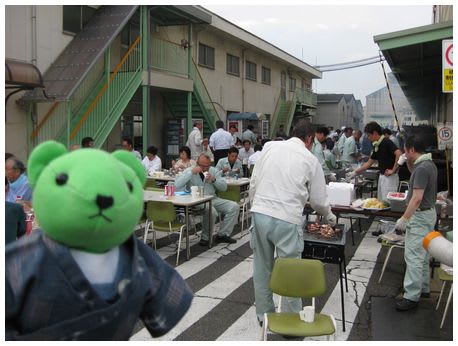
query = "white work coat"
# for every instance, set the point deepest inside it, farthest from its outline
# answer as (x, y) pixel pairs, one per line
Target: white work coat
(194, 143)
(284, 179)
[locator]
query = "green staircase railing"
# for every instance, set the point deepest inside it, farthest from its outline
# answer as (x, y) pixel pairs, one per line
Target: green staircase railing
(306, 97)
(172, 58)
(284, 113)
(103, 113)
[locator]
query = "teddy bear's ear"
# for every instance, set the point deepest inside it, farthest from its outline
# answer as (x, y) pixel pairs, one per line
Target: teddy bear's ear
(130, 160)
(41, 156)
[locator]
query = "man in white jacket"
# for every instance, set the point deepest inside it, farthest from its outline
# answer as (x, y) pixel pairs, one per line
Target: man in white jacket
(194, 142)
(280, 187)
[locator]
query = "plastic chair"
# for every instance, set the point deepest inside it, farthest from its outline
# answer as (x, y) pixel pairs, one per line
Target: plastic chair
(295, 277)
(150, 183)
(162, 217)
(233, 194)
(443, 276)
(390, 246)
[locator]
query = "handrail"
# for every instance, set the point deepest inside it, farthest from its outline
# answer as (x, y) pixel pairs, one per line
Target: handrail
(203, 84)
(275, 117)
(104, 88)
(43, 121)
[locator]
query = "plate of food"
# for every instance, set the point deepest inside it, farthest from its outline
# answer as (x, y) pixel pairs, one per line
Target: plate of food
(375, 204)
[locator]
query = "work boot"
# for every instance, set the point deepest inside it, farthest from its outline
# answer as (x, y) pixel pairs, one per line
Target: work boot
(406, 304)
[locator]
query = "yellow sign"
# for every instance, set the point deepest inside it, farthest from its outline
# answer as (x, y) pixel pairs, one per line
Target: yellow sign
(448, 80)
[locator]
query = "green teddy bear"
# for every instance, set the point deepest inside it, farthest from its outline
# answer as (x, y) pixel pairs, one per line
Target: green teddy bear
(85, 276)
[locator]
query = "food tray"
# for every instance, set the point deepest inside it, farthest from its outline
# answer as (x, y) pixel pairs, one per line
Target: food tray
(377, 209)
(317, 236)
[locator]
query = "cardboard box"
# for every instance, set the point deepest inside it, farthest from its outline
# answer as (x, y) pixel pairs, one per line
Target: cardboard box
(340, 193)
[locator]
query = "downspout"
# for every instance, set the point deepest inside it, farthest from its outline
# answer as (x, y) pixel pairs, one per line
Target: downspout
(34, 35)
(32, 109)
(189, 111)
(145, 42)
(243, 79)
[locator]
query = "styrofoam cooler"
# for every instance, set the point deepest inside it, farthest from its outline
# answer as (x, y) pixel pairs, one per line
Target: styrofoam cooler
(340, 193)
(398, 204)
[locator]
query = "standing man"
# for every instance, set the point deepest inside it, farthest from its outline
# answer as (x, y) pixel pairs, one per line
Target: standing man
(347, 132)
(350, 151)
(87, 142)
(203, 174)
(418, 220)
(249, 134)
(220, 141)
(127, 145)
(387, 155)
(194, 142)
(281, 132)
(317, 149)
(232, 131)
(280, 187)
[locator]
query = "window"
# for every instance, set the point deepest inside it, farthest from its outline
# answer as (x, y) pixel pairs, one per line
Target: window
(233, 65)
(292, 84)
(266, 75)
(75, 17)
(250, 71)
(206, 56)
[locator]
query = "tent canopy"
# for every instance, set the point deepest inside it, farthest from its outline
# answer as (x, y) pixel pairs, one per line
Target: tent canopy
(246, 116)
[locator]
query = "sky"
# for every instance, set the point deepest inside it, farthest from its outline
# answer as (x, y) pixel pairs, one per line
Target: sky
(325, 35)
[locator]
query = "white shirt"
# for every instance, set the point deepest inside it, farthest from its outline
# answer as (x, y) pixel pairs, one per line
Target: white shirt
(284, 179)
(152, 166)
(194, 143)
(136, 154)
(253, 158)
(220, 139)
(245, 155)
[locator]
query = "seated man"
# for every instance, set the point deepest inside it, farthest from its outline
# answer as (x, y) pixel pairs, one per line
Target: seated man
(14, 219)
(19, 188)
(152, 162)
(203, 174)
(230, 164)
(244, 155)
(253, 158)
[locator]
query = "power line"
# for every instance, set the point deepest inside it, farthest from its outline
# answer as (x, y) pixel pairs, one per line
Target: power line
(344, 67)
(347, 63)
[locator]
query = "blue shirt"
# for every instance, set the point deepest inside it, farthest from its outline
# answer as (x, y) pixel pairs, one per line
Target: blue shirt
(48, 297)
(20, 187)
(224, 163)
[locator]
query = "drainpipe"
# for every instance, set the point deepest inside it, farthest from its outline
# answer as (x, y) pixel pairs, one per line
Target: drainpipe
(189, 110)
(243, 80)
(34, 35)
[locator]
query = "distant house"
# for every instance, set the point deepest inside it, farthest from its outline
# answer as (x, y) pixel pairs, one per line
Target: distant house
(339, 110)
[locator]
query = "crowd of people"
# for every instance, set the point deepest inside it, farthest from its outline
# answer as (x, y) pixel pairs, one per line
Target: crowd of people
(286, 173)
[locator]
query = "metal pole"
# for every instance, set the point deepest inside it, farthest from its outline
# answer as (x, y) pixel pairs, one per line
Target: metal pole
(189, 115)
(145, 66)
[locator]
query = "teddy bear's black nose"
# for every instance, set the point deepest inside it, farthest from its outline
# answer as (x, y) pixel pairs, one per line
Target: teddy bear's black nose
(104, 202)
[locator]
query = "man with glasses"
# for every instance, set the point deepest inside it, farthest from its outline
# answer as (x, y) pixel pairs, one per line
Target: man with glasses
(203, 174)
(19, 187)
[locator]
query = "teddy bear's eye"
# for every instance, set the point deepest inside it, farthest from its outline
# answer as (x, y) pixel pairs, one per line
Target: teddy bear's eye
(129, 185)
(61, 179)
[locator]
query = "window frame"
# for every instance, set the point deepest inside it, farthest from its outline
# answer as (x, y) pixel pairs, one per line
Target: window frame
(206, 49)
(84, 15)
(291, 88)
(255, 78)
(232, 58)
(263, 81)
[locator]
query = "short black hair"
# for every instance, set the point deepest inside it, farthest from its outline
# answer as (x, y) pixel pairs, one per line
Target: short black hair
(233, 150)
(219, 124)
(373, 127)
(250, 127)
(265, 140)
(152, 150)
(323, 130)
(232, 126)
(85, 141)
(246, 140)
(127, 140)
(349, 128)
(302, 130)
(257, 147)
(6, 181)
(8, 156)
(417, 142)
(184, 149)
(17, 164)
(387, 131)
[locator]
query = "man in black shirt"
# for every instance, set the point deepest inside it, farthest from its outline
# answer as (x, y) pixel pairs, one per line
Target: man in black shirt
(387, 154)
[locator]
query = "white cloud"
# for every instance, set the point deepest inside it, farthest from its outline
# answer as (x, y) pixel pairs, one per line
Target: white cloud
(272, 20)
(323, 26)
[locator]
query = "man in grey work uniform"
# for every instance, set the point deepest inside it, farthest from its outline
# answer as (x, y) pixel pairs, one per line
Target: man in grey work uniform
(418, 220)
(280, 187)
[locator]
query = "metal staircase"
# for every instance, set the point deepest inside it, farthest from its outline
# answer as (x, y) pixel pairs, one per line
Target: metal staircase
(89, 97)
(284, 113)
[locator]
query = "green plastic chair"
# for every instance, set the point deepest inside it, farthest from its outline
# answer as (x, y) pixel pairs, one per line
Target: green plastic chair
(295, 277)
(444, 277)
(233, 194)
(162, 217)
(150, 183)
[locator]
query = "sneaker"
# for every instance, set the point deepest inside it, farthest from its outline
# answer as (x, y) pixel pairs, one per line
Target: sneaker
(203, 242)
(224, 239)
(406, 304)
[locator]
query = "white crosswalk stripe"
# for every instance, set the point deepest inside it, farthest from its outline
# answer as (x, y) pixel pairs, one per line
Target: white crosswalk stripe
(246, 327)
